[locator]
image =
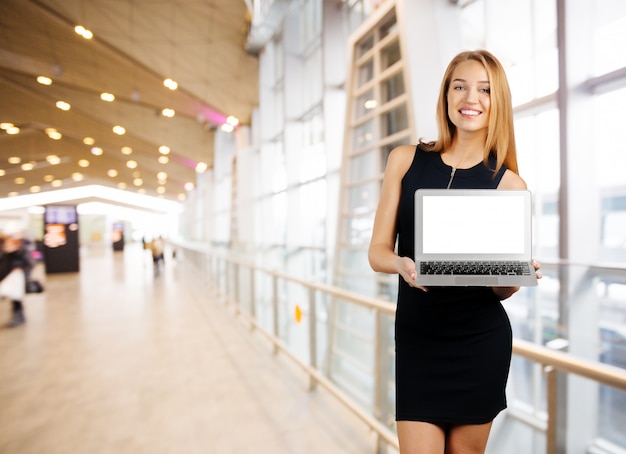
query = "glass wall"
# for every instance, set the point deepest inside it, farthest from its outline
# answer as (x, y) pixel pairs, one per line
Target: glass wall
(378, 120)
(608, 36)
(291, 199)
(607, 81)
(609, 165)
(355, 12)
(566, 93)
(288, 175)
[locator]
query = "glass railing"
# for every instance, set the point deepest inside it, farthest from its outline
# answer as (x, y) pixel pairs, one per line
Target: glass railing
(344, 342)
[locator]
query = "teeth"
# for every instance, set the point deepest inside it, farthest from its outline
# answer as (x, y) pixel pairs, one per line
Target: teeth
(469, 112)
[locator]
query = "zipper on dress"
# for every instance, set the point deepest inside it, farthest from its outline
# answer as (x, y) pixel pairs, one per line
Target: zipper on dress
(451, 177)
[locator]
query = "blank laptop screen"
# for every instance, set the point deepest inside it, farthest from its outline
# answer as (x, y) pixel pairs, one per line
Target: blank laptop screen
(473, 225)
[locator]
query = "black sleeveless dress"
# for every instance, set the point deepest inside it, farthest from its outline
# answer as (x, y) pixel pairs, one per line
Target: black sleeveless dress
(453, 344)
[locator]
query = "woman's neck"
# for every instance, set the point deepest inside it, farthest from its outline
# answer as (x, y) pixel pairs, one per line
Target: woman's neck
(465, 152)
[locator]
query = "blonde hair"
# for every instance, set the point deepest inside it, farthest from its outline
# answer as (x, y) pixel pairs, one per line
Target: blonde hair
(500, 135)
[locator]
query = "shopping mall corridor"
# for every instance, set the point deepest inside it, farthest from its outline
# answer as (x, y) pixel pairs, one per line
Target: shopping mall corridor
(116, 360)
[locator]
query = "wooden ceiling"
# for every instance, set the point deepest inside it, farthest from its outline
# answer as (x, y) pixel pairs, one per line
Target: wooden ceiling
(136, 44)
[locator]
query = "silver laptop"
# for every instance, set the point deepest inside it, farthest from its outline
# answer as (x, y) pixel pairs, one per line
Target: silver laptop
(478, 237)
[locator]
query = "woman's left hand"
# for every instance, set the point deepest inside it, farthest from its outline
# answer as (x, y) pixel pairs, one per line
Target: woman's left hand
(537, 266)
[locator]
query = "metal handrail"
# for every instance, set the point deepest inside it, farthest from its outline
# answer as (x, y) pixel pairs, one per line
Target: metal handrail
(603, 373)
(551, 360)
(593, 370)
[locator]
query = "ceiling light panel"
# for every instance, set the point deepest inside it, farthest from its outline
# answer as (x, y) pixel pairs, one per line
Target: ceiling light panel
(112, 65)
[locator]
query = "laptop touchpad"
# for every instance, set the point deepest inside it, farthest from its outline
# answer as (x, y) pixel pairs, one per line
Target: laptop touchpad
(484, 280)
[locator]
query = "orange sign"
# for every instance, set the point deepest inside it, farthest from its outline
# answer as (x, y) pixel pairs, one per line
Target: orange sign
(55, 235)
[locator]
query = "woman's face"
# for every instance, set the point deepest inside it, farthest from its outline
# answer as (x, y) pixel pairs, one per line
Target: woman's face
(469, 99)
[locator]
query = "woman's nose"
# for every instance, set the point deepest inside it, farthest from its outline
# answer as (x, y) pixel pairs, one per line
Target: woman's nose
(471, 96)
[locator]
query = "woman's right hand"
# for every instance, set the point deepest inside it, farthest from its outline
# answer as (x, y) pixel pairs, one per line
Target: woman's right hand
(406, 269)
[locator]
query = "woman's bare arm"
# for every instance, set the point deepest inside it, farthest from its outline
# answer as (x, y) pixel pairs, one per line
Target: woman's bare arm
(381, 254)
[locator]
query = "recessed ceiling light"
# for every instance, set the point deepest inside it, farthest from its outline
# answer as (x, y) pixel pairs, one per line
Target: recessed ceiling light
(35, 189)
(171, 84)
(234, 121)
(108, 97)
(6, 126)
(164, 159)
(13, 130)
(14, 160)
(161, 189)
(54, 135)
(43, 80)
(20, 180)
(121, 185)
(84, 32)
(48, 178)
(164, 149)
(162, 176)
(127, 150)
(56, 183)
(119, 130)
(226, 127)
(2, 172)
(97, 151)
(28, 166)
(77, 176)
(167, 112)
(137, 181)
(53, 159)
(63, 105)
(189, 186)
(83, 163)
(131, 164)
(112, 173)
(89, 141)
(201, 167)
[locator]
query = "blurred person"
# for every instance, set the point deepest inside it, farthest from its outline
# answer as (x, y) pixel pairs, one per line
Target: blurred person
(156, 247)
(15, 267)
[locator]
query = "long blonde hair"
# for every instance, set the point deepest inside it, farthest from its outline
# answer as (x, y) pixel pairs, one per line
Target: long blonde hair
(500, 135)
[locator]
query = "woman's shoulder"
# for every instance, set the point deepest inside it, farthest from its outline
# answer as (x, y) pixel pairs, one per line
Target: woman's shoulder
(401, 158)
(511, 180)
(403, 153)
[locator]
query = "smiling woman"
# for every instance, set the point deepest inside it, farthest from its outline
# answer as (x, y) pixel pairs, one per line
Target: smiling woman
(447, 394)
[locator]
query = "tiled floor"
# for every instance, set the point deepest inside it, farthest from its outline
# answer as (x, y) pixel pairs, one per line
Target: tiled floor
(115, 360)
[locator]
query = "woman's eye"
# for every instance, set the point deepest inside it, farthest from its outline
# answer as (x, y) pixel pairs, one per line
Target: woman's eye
(485, 90)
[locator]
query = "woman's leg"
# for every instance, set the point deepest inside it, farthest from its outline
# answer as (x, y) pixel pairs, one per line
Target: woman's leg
(420, 438)
(468, 439)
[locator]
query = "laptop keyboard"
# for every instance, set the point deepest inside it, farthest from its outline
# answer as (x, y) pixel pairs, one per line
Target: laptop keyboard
(476, 268)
